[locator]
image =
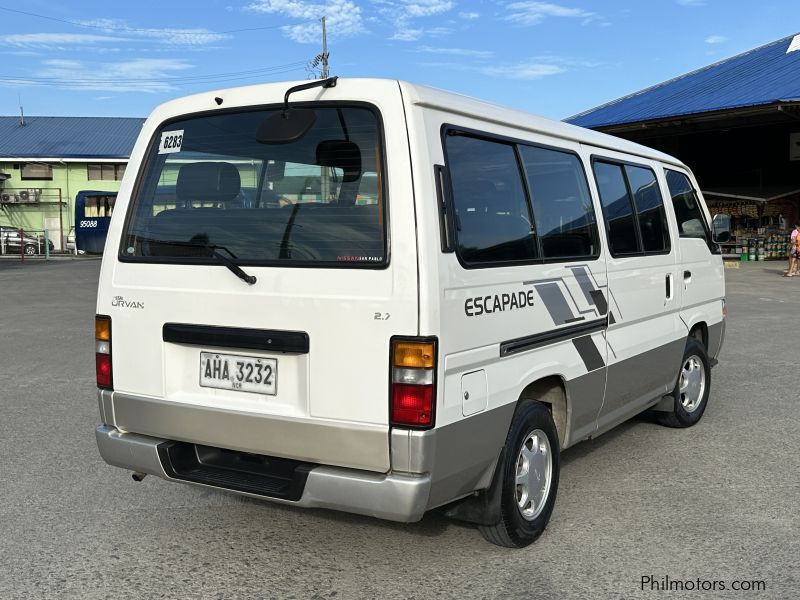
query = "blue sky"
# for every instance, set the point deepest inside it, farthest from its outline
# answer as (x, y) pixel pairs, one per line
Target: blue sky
(552, 58)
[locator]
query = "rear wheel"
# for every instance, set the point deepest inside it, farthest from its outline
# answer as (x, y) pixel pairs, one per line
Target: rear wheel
(530, 473)
(692, 388)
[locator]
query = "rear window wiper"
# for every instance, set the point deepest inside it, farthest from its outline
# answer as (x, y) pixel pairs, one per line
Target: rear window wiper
(214, 250)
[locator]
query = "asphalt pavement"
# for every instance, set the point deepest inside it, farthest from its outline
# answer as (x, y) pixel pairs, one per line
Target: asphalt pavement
(714, 503)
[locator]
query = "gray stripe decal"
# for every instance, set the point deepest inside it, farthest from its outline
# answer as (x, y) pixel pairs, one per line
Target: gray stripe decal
(599, 301)
(584, 282)
(589, 353)
(555, 303)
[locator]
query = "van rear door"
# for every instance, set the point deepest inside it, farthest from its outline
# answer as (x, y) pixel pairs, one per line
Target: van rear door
(293, 363)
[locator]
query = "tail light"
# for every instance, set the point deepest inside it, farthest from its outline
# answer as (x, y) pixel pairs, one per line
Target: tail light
(413, 392)
(102, 351)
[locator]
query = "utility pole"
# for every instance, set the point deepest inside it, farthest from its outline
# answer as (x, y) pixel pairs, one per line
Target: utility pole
(324, 55)
(325, 179)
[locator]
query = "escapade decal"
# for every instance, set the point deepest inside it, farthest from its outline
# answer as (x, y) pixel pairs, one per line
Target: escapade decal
(480, 305)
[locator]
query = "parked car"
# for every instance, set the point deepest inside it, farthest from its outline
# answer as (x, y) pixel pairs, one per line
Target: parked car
(10, 241)
(71, 240)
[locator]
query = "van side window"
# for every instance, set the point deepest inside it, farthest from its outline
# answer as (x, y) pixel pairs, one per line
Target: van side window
(617, 208)
(562, 206)
(650, 208)
(493, 223)
(633, 208)
(691, 220)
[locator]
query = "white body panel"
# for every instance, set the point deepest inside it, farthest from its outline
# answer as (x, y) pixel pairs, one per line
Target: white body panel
(344, 376)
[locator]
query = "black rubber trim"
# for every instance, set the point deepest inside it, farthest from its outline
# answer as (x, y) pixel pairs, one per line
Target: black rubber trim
(291, 342)
(551, 337)
(267, 476)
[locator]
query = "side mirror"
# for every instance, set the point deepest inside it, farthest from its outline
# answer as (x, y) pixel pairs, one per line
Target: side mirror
(721, 228)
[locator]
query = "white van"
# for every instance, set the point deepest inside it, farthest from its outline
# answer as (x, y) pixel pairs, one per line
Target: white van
(383, 298)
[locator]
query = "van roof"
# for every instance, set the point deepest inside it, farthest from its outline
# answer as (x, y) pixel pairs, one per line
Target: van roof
(494, 113)
(423, 96)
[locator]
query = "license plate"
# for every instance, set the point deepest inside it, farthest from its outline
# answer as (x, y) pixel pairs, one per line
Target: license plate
(240, 373)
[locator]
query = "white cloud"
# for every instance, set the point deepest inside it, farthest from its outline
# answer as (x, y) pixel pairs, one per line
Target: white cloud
(469, 16)
(405, 33)
(49, 40)
(524, 70)
(406, 16)
(530, 69)
(171, 36)
(113, 32)
(691, 2)
(343, 18)
(426, 8)
(533, 13)
(137, 75)
(457, 52)
(716, 39)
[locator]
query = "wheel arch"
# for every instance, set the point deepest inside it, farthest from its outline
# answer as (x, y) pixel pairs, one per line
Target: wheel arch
(552, 392)
(699, 330)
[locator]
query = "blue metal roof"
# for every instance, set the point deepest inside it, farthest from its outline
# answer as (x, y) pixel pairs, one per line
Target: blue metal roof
(68, 137)
(765, 75)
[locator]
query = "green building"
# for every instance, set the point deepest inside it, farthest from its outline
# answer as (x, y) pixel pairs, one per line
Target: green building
(46, 161)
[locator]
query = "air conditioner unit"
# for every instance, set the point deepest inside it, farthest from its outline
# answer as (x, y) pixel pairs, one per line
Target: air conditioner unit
(30, 195)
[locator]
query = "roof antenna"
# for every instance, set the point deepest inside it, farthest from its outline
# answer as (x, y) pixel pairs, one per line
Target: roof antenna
(21, 113)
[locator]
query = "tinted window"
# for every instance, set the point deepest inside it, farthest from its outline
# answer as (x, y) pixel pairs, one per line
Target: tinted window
(316, 199)
(492, 216)
(691, 220)
(617, 208)
(562, 207)
(36, 171)
(649, 207)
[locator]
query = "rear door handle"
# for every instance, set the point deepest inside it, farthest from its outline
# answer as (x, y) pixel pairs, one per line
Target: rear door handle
(669, 286)
(687, 275)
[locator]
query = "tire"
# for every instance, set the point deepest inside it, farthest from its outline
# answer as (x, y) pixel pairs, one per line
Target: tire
(30, 250)
(691, 389)
(523, 520)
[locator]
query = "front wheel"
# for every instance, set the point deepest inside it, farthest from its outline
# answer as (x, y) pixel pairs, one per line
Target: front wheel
(530, 473)
(692, 388)
(30, 250)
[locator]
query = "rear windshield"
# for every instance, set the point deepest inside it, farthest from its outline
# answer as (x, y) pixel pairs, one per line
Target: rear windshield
(211, 184)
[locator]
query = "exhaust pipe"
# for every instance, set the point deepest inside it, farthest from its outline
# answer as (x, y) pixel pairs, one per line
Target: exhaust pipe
(138, 475)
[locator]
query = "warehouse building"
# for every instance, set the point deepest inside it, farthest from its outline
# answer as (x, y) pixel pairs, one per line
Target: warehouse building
(46, 161)
(736, 123)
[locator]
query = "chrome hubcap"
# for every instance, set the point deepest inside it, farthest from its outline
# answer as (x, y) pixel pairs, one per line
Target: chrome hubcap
(534, 474)
(692, 385)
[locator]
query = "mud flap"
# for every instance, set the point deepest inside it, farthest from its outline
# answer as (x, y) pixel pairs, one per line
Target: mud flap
(482, 507)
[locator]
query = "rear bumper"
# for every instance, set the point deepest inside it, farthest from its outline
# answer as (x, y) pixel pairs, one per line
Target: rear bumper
(391, 496)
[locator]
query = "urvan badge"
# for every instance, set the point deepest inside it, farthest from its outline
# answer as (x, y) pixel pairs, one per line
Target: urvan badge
(120, 301)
